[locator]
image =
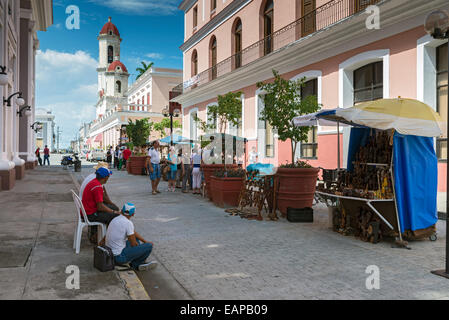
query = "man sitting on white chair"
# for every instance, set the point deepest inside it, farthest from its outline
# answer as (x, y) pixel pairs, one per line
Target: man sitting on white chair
(126, 244)
(93, 199)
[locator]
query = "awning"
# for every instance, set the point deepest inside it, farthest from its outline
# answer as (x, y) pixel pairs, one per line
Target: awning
(89, 141)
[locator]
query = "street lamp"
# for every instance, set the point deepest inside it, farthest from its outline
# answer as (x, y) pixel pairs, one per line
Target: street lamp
(3, 76)
(27, 110)
(167, 112)
(20, 101)
(36, 126)
(437, 25)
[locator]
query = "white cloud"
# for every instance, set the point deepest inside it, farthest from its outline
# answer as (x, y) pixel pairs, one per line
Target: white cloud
(66, 83)
(156, 56)
(141, 7)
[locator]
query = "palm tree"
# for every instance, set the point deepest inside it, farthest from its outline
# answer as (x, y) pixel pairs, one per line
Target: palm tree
(144, 69)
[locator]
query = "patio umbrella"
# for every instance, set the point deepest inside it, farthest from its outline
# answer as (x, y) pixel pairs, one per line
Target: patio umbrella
(406, 116)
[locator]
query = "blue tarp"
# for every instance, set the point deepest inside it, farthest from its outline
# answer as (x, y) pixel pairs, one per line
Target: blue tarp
(416, 181)
(415, 175)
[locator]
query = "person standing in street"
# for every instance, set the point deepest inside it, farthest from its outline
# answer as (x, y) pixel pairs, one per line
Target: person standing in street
(196, 172)
(186, 173)
(126, 155)
(117, 150)
(46, 155)
(173, 160)
(109, 157)
(154, 167)
(38, 156)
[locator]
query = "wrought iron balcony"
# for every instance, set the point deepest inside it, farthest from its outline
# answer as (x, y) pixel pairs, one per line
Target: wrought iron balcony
(322, 17)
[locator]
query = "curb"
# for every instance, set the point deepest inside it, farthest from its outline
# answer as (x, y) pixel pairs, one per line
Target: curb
(132, 284)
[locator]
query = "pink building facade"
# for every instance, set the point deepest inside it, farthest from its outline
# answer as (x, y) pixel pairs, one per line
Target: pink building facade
(333, 44)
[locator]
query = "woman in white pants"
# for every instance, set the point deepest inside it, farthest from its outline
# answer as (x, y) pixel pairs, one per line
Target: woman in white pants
(196, 173)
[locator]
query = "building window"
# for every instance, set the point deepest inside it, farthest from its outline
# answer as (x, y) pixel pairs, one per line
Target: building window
(110, 54)
(442, 88)
(368, 82)
(309, 149)
(268, 26)
(213, 5)
(194, 63)
(309, 17)
(195, 17)
(118, 87)
(213, 57)
(238, 44)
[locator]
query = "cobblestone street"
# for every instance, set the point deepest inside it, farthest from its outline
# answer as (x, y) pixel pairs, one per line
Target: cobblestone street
(217, 256)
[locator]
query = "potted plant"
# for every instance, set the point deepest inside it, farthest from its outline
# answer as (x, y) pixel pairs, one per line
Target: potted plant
(138, 133)
(297, 180)
(228, 111)
(226, 186)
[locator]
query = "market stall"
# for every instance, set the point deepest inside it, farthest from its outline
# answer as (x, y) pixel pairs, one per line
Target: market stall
(390, 184)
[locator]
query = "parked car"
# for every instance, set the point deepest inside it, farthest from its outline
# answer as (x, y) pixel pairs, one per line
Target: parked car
(98, 155)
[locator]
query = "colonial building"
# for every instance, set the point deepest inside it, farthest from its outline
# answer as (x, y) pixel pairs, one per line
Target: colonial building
(19, 23)
(118, 104)
(345, 58)
(46, 136)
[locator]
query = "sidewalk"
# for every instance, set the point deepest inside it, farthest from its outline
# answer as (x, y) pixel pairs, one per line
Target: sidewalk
(37, 223)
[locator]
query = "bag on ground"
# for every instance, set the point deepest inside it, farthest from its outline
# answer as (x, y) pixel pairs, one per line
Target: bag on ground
(103, 258)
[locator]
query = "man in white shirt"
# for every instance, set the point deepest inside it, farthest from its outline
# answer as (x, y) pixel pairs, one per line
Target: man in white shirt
(126, 244)
(154, 167)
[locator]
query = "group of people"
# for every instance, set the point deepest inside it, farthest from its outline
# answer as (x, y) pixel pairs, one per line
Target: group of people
(130, 249)
(180, 169)
(46, 155)
(120, 156)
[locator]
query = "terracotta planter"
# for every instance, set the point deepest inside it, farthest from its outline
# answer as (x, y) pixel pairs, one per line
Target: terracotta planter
(296, 188)
(136, 164)
(226, 191)
(208, 170)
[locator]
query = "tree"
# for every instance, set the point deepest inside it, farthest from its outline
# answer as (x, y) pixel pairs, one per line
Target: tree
(165, 124)
(283, 103)
(144, 68)
(228, 111)
(139, 132)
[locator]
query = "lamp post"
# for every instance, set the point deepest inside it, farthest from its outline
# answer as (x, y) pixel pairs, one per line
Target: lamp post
(171, 112)
(437, 25)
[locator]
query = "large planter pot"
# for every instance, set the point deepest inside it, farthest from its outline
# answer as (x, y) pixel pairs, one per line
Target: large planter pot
(208, 170)
(296, 188)
(226, 191)
(135, 164)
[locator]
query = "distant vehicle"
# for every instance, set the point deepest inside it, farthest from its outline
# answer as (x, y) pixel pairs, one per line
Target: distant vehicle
(97, 155)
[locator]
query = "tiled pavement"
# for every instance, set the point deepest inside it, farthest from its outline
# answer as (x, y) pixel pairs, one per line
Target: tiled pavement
(217, 256)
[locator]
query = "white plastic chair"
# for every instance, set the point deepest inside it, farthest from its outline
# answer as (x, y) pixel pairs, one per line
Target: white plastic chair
(81, 224)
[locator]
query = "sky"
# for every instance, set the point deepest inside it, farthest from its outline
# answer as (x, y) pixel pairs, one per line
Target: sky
(66, 77)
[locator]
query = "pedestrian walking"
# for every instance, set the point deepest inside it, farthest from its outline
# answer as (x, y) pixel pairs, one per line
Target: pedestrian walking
(38, 155)
(196, 172)
(46, 155)
(154, 167)
(179, 170)
(172, 174)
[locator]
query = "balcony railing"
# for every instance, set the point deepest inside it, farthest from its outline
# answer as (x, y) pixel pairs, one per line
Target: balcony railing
(322, 17)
